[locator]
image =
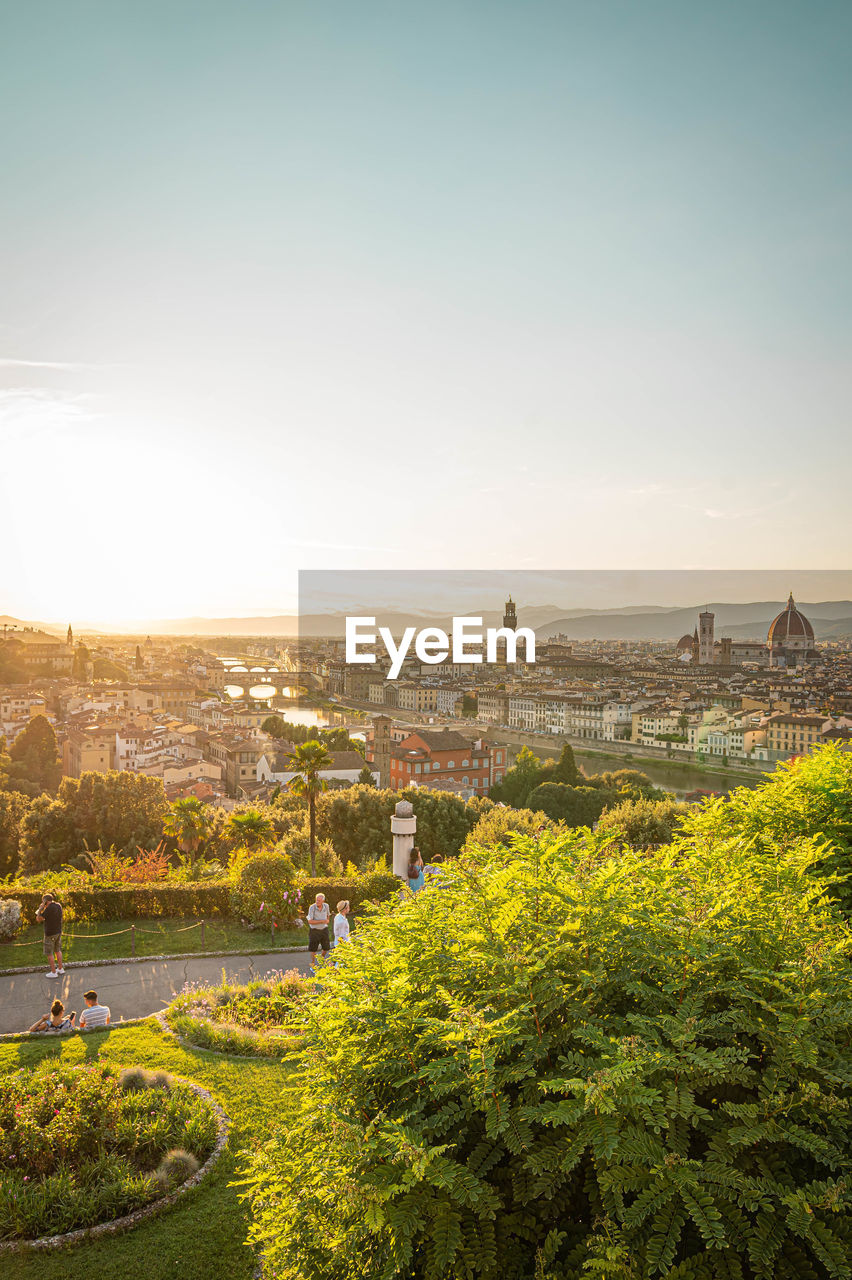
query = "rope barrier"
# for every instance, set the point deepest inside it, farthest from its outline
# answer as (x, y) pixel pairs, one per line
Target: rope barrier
(92, 937)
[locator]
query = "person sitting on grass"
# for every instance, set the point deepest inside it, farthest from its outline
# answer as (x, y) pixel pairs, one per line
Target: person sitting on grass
(55, 1020)
(94, 1014)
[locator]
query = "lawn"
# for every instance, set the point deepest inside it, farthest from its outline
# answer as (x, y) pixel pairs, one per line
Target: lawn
(156, 937)
(202, 1238)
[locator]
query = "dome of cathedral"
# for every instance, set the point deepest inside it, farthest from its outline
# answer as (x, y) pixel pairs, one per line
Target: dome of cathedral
(790, 625)
(685, 642)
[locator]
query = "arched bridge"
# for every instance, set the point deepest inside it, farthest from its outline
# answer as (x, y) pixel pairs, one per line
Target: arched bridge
(265, 681)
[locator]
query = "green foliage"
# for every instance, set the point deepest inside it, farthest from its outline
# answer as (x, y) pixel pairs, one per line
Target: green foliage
(519, 781)
(106, 669)
(187, 823)
(264, 885)
(11, 919)
(559, 1064)
(250, 828)
(495, 827)
(176, 1167)
(77, 1149)
(33, 763)
(811, 796)
(575, 806)
(373, 887)
(365, 777)
(357, 821)
(95, 811)
(644, 824)
(309, 759)
(13, 808)
(336, 739)
(207, 900)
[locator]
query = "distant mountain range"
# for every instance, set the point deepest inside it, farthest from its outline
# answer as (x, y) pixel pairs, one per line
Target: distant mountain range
(831, 619)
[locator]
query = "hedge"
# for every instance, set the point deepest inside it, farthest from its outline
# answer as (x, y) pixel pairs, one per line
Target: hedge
(358, 892)
(176, 901)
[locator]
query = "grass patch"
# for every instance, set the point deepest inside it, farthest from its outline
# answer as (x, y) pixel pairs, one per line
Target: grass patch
(154, 937)
(202, 1238)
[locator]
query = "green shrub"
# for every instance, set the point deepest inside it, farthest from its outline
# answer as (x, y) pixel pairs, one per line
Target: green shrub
(174, 901)
(644, 824)
(498, 824)
(175, 1168)
(811, 796)
(561, 1065)
(265, 883)
(358, 891)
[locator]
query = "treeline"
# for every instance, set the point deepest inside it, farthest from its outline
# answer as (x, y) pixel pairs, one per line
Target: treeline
(335, 739)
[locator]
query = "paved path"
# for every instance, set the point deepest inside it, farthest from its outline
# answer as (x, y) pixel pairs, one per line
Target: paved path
(132, 989)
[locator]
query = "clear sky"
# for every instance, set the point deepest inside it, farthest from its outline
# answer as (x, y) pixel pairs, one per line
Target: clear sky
(464, 283)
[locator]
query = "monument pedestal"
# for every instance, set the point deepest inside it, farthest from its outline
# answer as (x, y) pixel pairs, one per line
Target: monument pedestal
(403, 830)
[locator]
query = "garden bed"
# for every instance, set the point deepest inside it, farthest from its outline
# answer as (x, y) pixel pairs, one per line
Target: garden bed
(88, 1149)
(258, 1019)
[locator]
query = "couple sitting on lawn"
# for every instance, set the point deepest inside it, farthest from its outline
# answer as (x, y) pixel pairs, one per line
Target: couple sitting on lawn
(94, 1015)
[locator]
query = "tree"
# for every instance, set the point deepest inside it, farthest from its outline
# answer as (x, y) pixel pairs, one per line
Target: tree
(139, 662)
(565, 769)
(121, 810)
(82, 657)
(277, 727)
(517, 783)
(250, 828)
(13, 807)
(561, 1064)
(187, 823)
(365, 777)
(33, 762)
(643, 824)
(309, 759)
(575, 806)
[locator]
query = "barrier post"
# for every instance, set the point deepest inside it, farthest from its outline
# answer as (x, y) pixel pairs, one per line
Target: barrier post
(133, 939)
(202, 935)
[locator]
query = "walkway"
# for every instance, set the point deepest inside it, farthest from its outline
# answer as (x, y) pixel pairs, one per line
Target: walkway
(132, 989)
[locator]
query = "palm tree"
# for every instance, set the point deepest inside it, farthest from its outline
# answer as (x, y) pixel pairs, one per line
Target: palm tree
(188, 822)
(250, 828)
(308, 760)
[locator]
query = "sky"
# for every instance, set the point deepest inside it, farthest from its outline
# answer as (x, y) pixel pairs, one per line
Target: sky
(471, 284)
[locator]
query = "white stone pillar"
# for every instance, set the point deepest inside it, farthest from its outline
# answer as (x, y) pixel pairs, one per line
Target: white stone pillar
(403, 829)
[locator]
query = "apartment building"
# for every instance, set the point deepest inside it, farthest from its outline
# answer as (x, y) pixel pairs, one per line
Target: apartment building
(440, 755)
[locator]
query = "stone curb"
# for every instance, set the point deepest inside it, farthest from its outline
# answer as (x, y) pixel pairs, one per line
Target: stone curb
(182, 955)
(133, 1219)
(60, 1037)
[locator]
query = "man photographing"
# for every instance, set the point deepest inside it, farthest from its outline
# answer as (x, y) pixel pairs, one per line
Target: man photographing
(50, 912)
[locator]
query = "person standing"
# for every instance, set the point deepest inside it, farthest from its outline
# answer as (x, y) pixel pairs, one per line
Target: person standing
(94, 1014)
(341, 923)
(50, 913)
(415, 870)
(319, 915)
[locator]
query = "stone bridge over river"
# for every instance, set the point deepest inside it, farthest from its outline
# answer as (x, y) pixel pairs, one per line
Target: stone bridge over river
(264, 681)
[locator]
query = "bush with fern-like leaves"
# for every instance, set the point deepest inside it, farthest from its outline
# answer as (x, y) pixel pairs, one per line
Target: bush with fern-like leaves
(556, 1063)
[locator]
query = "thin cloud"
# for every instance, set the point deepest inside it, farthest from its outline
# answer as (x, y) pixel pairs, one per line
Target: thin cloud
(64, 366)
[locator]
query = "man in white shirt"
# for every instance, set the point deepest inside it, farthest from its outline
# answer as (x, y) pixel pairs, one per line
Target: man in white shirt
(319, 915)
(94, 1014)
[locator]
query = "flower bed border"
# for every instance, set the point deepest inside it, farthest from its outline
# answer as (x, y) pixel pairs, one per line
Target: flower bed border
(129, 1220)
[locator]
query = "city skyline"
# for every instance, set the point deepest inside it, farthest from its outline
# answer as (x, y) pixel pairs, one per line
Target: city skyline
(557, 283)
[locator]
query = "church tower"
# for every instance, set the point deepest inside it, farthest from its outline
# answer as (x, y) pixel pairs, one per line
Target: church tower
(705, 638)
(510, 615)
(69, 638)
